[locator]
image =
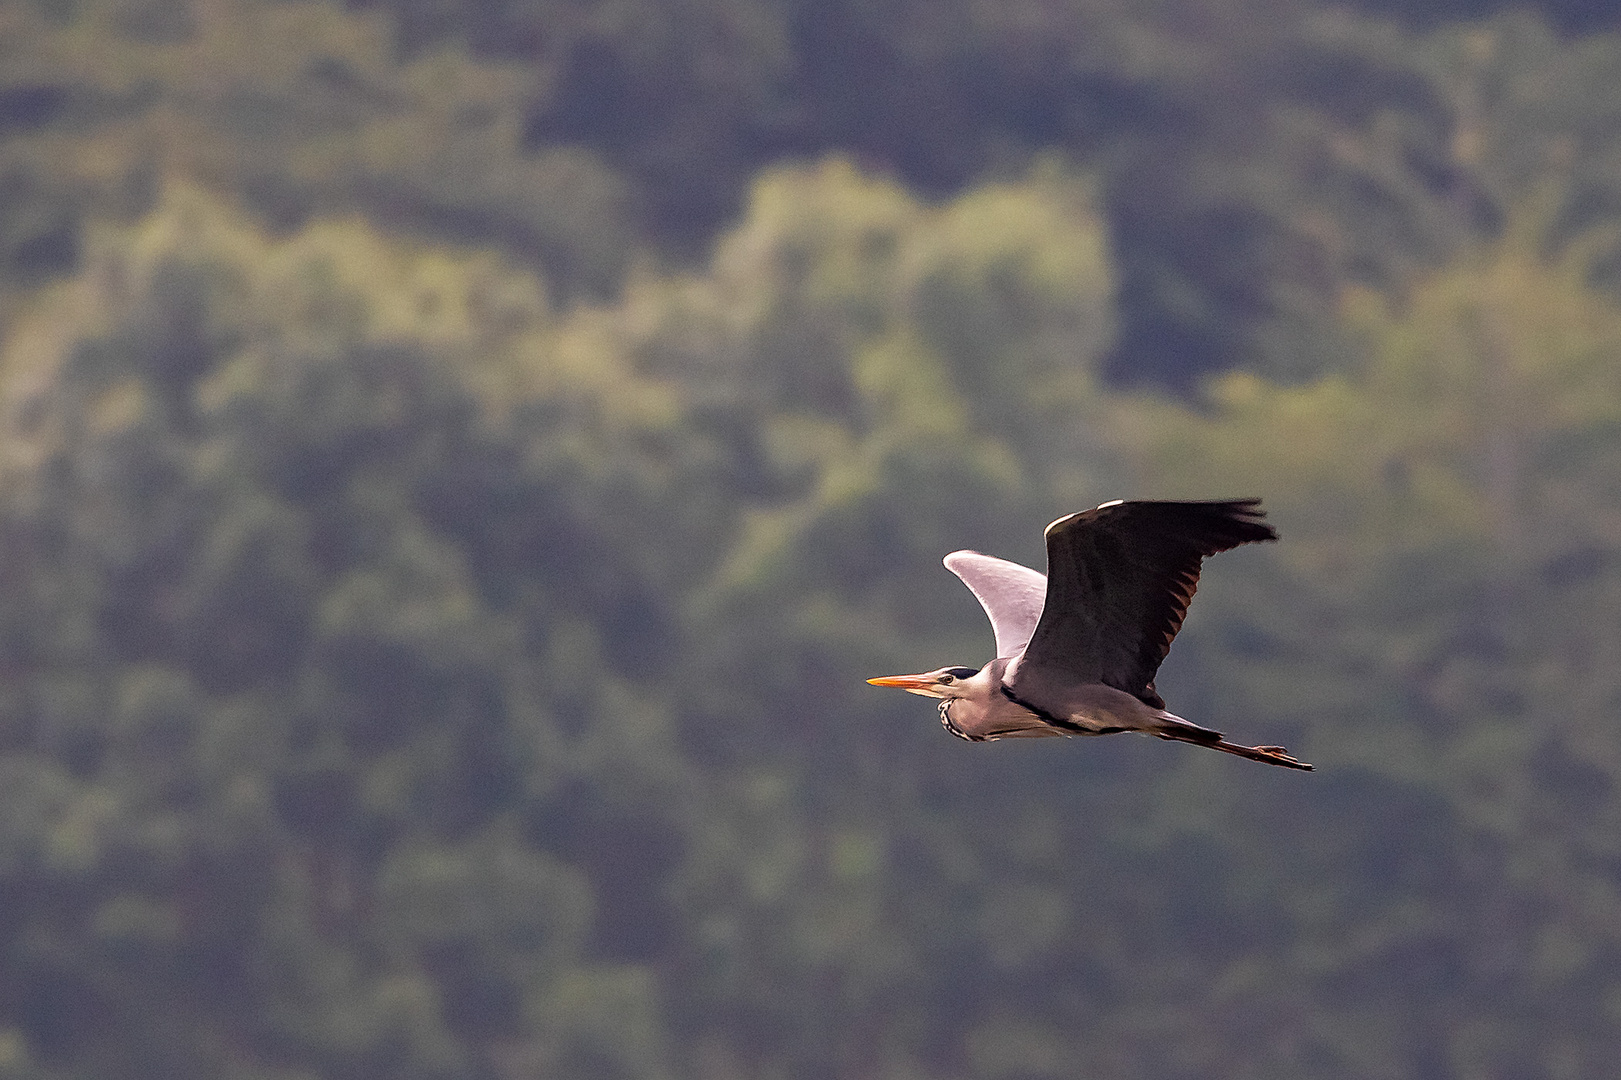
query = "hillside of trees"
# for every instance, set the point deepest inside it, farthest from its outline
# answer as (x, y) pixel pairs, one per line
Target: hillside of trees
(460, 459)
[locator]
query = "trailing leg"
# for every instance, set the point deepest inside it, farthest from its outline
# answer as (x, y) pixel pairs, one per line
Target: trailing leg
(1180, 730)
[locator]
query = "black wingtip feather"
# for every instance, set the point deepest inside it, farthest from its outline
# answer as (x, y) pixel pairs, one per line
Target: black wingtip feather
(1227, 522)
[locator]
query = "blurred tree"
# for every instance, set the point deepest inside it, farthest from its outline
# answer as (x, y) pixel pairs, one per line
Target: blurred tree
(1440, 618)
(359, 596)
(295, 110)
(304, 789)
(883, 360)
(1252, 159)
(409, 675)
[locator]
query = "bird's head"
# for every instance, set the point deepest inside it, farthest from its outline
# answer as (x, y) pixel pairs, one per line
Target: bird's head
(946, 682)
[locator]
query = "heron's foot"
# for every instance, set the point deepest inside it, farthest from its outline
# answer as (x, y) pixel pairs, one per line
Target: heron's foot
(1277, 755)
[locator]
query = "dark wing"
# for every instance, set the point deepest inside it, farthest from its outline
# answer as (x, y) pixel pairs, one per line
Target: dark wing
(1011, 595)
(1119, 581)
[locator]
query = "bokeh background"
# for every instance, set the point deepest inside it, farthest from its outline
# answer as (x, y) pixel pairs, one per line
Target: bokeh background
(459, 460)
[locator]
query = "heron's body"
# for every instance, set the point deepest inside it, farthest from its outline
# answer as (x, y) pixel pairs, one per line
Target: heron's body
(1077, 650)
(993, 711)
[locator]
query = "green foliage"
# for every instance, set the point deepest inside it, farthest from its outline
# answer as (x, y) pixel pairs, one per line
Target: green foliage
(275, 682)
(294, 109)
(1251, 159)
(1435, 623)
(408, 679)
(413, 670)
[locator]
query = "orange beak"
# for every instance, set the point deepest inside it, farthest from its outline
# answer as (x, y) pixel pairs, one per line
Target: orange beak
(912, 684)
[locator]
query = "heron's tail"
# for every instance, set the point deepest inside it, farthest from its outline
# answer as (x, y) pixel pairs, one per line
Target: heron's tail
(1174, 727)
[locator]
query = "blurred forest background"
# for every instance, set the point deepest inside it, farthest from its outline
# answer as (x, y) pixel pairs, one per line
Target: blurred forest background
(460, 458)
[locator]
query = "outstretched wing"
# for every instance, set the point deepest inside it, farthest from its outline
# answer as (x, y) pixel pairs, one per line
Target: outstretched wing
(1119, 581)
(1011, 595)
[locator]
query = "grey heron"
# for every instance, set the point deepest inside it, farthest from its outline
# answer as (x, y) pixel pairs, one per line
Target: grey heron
(1077, 649)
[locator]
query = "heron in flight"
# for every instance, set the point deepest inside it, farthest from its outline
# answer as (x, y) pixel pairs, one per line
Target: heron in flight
(1077, 650)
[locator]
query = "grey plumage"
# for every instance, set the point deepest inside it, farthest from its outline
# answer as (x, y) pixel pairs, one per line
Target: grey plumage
(1078, 648)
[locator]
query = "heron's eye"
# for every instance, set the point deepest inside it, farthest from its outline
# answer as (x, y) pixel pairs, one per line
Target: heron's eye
(947, 680)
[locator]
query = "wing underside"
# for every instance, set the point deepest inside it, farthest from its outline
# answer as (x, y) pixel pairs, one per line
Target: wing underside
(1012, 595)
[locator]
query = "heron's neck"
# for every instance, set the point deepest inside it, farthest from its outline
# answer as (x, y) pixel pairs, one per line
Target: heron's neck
(945, 719)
